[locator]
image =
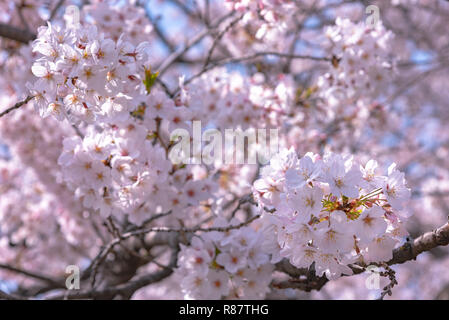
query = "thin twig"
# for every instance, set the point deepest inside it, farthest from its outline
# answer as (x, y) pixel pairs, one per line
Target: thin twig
(408, 251)
(179, 53)
(32, 274)
(218, 38)
(17, 34)
(6, 296)
(249, 57)
(16, 106)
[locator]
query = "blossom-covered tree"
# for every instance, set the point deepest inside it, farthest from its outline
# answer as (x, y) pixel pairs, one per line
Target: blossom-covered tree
(100, 106)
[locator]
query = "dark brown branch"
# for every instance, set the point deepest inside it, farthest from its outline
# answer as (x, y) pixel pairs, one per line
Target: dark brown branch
(23, 35)
(306, 280)
(110, 246)
(247, 58)
(17, 34)
(6, 296)
(427, 241)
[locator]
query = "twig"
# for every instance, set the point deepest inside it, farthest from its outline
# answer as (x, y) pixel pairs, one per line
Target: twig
(246, 58)
(191, 230)
(126, 289)
(21, 16)
(109, 247)
(160, 33)
(427, 241)
(218, 38)
(164, 87)
(6, 296)
(391, 274)
(16, 106)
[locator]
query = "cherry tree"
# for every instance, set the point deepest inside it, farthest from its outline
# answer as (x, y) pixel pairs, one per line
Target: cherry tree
(104, 171)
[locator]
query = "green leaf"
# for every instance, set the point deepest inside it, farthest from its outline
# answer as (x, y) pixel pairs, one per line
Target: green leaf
(150, 79)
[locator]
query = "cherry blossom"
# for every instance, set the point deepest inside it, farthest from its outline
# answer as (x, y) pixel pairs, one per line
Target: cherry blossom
(331, 221)
(91, 92)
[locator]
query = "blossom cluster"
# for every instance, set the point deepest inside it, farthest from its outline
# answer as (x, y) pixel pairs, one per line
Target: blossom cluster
(85, 76)
(228, 264)
(362, 65)
(124, 158)
(123, 17)
(331, 211)
(121, 171)
(234, 101)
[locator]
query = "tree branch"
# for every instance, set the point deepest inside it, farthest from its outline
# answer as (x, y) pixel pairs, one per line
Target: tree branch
(225, 61)
(55, 9)
(125, 290)
(306, 279)
(16, 106)
(6, 296)
(218, 38)
(195, 40)
(427, 241)
(34, 275)
(17, 34)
